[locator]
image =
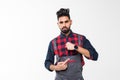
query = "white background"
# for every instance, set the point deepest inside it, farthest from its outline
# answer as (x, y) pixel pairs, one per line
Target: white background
(27, 26)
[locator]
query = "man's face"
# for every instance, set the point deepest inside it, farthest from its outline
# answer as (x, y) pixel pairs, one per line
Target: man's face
(64, 24)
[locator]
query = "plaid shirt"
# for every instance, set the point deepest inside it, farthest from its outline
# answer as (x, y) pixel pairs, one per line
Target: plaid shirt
(57, 47)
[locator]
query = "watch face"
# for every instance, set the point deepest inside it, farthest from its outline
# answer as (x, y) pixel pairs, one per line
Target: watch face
(75, 47)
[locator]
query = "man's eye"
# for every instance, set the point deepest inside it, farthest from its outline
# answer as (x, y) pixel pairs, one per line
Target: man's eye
(61, 22)
(66, 21)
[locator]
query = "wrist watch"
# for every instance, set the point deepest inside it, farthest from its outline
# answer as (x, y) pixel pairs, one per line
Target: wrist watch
(75, 47)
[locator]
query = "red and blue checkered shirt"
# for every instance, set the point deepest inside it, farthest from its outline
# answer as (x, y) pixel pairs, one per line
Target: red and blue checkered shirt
(57, 47)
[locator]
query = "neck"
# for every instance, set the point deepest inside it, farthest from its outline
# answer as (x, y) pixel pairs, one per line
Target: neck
(67, 33)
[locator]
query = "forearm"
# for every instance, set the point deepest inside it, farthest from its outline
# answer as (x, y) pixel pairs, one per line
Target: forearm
(83, 51)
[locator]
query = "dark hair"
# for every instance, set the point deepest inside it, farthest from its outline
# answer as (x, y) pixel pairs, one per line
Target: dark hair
(63, 12)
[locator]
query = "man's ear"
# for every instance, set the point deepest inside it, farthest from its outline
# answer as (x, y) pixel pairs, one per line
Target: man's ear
(71, 22)
(57, 23)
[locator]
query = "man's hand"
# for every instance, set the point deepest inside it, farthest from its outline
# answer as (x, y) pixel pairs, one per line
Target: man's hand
(61, 65)
(70, 46)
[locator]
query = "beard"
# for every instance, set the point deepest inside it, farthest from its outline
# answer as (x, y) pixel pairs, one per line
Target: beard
(65, 30)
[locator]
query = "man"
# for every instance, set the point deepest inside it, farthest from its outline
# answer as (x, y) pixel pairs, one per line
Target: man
(69, 49)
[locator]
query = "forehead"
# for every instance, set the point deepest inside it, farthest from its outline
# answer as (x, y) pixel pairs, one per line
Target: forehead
(63, 18)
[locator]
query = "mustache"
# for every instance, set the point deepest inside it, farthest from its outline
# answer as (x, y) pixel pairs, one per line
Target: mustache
(64, 27)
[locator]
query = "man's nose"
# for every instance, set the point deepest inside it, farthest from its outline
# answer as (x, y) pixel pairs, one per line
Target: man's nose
(64, 24)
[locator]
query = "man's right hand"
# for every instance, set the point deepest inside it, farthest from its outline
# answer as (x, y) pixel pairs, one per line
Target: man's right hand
(62, 65)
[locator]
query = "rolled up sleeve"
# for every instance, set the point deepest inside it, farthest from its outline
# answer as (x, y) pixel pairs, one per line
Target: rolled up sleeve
(87, 45)
(49, 57)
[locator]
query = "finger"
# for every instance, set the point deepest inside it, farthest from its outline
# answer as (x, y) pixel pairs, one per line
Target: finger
(59, 63)
(66, 61)
(66, 44)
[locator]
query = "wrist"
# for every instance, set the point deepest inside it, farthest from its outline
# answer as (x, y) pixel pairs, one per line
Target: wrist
(55, 67)
(75, 47)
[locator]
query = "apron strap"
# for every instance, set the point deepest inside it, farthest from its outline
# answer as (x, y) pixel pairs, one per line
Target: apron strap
(54, 44)
(79, 40)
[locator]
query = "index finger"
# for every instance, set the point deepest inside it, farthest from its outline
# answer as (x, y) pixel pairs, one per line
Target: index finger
(66, 61)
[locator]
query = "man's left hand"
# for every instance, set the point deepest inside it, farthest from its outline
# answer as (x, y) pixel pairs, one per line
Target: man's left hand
(70, 46)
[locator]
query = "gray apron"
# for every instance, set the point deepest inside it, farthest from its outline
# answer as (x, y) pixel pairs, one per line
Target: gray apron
(74, 69)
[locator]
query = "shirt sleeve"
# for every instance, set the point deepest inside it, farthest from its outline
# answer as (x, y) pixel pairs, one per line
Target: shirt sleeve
(87, 45)
(49, 57)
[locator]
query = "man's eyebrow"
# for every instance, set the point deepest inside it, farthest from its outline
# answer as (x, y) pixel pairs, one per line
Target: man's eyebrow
(66, 21)
(63, 21)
